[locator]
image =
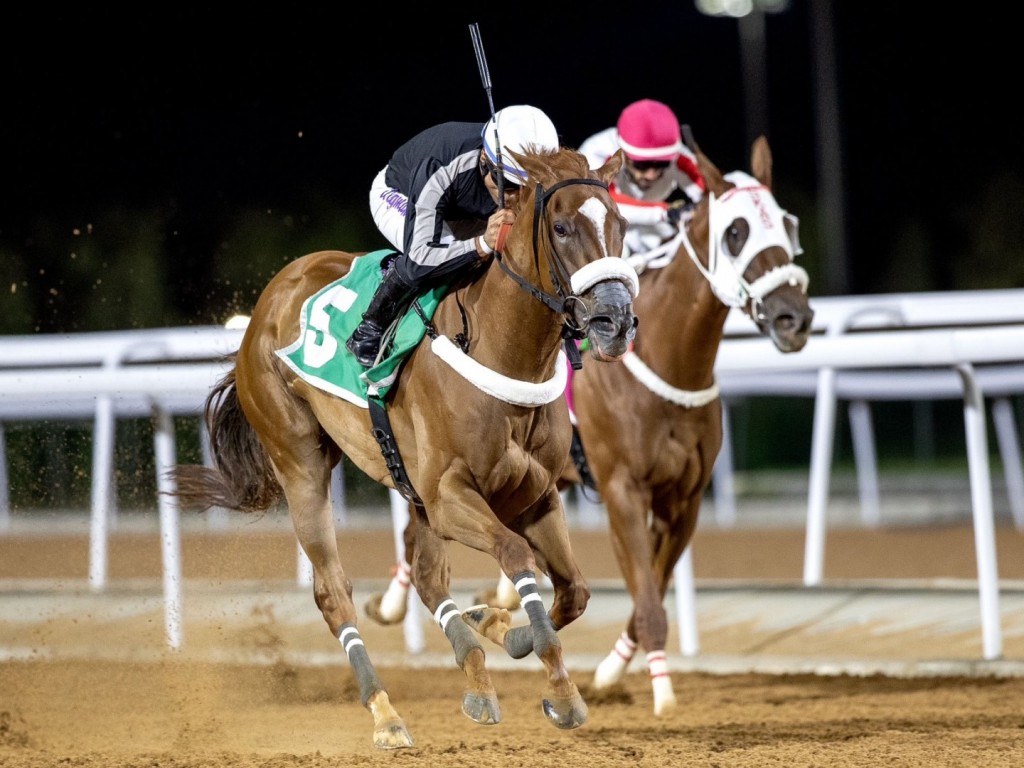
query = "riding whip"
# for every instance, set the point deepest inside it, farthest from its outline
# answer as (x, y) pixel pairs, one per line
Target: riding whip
(485, 78)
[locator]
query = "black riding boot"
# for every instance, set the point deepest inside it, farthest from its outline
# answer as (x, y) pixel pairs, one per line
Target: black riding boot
(391, 298)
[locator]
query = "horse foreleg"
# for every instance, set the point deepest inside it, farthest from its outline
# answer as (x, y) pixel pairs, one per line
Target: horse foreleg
(648, 625)
(431, 568)
(670, 540)
(549, 538)
(564, 707)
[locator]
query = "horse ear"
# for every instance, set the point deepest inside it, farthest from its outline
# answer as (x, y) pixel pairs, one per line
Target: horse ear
(611, 167)
(712, 176)
(761, 161)
(537, 165)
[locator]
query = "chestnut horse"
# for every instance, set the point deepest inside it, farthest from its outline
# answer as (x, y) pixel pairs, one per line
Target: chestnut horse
(483, 430)
(652, 427)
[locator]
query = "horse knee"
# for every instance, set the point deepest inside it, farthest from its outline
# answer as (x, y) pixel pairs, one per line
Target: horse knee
(515, 556)
(570, 604)
(651, 627)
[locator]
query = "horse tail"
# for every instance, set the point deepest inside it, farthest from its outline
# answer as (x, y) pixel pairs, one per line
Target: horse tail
(241, 477)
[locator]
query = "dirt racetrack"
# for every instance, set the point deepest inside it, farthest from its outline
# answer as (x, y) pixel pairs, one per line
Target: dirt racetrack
(172, 715)
(174, 711)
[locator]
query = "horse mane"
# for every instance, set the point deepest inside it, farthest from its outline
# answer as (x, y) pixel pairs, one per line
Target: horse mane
(547, 166)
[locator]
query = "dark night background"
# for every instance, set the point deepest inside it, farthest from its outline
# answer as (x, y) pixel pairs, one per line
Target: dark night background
(160, 165)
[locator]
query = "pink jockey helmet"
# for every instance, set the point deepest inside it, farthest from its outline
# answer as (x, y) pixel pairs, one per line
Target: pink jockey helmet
(649, 130)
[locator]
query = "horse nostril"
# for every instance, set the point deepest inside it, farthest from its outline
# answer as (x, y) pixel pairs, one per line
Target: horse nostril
(784, 323)
(603, 325)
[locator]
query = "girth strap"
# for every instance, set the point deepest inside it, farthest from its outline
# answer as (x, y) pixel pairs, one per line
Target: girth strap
(385, 438)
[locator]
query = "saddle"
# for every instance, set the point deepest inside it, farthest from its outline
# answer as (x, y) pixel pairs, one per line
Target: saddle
(329, 316)
(318, 355)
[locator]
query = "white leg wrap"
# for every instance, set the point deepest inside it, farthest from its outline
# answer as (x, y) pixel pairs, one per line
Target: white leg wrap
(613, 667)
(506, 593)
(393, 603)
(661, 682)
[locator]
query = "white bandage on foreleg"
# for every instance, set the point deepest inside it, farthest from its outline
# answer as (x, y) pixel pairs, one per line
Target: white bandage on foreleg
(445, 612)
(349, 639)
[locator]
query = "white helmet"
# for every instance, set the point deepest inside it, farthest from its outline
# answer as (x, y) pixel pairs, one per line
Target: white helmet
(521, 129)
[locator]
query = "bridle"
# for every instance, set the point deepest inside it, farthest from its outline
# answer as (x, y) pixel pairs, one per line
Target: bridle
(568, 286)
(770, 226)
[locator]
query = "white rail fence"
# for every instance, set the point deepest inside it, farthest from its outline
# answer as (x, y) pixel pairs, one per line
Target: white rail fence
(963, 345)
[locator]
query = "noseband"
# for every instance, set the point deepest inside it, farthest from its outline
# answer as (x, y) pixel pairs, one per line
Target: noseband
(770, 226)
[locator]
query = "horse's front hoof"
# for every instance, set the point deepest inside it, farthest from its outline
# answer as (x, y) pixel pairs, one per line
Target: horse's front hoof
(374, 612)
(481, 708)
(665, 705)
(492, 623)
(392, 734)
(566, 713)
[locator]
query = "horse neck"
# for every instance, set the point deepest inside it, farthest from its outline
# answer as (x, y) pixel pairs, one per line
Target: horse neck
(681, 324)
(514, 333)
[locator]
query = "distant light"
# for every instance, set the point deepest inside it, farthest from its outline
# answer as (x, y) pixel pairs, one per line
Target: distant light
(237, 322)
(740, 8)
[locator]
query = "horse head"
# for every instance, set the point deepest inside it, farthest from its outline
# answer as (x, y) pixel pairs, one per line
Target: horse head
(573, 232)
(749, 243)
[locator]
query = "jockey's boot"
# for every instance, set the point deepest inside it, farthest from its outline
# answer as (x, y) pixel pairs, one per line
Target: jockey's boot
(391, 297)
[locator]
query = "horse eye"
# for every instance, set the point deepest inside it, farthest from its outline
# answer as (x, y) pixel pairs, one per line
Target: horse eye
(560, 230)
(734, 237)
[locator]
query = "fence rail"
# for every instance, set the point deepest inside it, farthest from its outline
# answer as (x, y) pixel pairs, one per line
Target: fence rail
(964, 345)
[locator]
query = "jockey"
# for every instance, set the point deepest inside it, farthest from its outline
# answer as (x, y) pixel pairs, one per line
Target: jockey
(659, 182)
(436, 201)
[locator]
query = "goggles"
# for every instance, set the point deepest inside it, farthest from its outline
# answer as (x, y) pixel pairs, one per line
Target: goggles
(648, 165)
(487, 168)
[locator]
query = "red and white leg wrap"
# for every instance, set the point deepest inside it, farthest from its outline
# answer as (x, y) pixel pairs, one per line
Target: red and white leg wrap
(661, 682)
(393, 602)
(613, 667)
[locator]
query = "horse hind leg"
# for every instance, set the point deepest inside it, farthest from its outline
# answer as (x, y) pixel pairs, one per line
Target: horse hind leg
(306, 484)
(332, 591)
(389, 608)
(502, 595)
(389, 731)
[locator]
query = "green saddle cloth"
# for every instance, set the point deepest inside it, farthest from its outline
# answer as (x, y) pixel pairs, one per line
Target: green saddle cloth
(328, 318)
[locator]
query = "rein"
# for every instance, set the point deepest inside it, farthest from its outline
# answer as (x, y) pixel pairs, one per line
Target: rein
(556, 266)
(567, 286)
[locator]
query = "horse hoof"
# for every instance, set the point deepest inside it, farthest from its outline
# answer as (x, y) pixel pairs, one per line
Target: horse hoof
(566, 713)
(664, 706)
(481, 709)
(373, 611)
(392, 735)
(492, 623)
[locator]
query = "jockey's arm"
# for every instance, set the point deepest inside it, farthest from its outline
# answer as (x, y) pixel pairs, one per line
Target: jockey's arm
(640, 212)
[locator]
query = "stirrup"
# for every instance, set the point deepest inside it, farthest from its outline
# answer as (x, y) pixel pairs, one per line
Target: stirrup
(364, 343)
